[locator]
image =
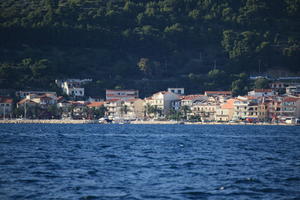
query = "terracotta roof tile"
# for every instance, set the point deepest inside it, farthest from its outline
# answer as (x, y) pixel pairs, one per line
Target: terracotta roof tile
(262, 90)
(96, 104)
(228, 104)
(6, 100)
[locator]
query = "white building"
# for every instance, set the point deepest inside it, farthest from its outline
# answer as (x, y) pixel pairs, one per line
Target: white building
(179, 91)
(206, 110)
(162, 100)
(293, 90)
(261, 93)
(73, 87)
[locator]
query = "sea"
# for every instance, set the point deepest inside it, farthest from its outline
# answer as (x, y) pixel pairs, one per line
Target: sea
(136, 162)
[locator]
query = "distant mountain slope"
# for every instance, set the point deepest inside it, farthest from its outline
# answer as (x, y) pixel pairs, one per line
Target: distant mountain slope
(132, 39)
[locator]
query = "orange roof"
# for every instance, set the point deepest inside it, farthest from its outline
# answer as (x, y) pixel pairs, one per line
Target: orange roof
(228, 104)
(26, 100)
(263, 90)
(112, 100)
(291, 99)
(6, 100)
(96, 104)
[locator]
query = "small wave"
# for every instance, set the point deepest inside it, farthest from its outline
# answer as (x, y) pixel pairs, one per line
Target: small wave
(248, 180)
(89, 197)
(28, 180)
(196, 194)
(111, 156)
(293, 179)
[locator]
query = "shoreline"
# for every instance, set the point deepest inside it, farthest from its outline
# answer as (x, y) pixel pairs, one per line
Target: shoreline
(57, 121)
(47, 121)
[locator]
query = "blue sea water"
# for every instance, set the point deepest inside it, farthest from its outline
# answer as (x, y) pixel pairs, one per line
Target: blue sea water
(39, 161)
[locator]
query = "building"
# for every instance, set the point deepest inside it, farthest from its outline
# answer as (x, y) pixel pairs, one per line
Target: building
(225, 112)
(73, 87)
(278, 85)
(189, 100)
(132, 109)
(290, 107)
(250, 108)
(273, 108)
(293, 90)
(262, 93)
(206, 110)
(6, 107)
(113, 107)
(23, 94)
(122, 94)
(43, 100)
(163, 101)
(240, 108)
(218, 93)
(179, 91)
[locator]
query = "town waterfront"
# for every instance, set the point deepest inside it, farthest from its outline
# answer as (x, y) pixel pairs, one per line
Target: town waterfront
(98, 161)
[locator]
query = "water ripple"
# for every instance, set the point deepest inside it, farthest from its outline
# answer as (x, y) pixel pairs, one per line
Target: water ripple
(135, 162)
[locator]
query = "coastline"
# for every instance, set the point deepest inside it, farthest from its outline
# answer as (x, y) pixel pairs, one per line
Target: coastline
(47, 121)
(56, 121)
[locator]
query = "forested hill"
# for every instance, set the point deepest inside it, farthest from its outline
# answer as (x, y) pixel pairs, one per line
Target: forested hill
(134, 39)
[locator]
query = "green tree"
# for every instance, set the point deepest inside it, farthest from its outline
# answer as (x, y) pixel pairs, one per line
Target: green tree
(261, 83)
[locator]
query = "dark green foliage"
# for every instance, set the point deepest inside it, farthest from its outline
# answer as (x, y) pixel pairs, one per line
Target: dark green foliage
(261, 83)
(117, 41)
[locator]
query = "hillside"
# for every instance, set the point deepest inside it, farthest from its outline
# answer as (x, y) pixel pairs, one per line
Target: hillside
(145, 44)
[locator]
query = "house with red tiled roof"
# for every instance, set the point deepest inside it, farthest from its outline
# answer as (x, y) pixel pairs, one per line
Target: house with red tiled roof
(218, 93)
(6, 107)
(95, 104)
(225, 112)
(188, 100)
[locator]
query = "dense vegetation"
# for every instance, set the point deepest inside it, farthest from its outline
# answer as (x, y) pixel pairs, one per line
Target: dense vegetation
(147, 45)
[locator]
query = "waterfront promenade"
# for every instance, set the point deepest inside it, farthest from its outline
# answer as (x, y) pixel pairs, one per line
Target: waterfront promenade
(70, 121)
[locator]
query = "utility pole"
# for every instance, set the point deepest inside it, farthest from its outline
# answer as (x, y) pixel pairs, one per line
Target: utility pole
(25, 111)
(215, 64)
(200, 57)
(4, 111)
